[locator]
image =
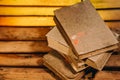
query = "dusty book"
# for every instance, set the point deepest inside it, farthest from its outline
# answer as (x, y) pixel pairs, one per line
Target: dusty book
(57, 42)
(84, 30)
(98, 61)
(56, 63)
(76, 65)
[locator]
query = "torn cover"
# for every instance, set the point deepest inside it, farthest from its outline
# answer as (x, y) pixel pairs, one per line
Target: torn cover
(83, 29)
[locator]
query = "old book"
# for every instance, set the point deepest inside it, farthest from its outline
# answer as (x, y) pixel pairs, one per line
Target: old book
(57, 42)
(56, 63)
(84, 30)
(98, 61)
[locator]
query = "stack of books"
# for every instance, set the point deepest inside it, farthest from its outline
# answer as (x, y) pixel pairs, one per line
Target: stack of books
(80, 40)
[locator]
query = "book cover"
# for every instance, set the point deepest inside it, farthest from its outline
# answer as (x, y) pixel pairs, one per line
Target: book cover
(98, 61)
(57, 42)
(83, 29)
(55, 63)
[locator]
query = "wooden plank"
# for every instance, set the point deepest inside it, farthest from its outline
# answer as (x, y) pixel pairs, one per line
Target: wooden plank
(113, 25)
(106, 3)
(96, 3)
(39, 2)
(109, 14)
(23, 46)
(16, 60)
(23, 33)
(114, 61)
(35, 21)
(26, 21)
(105, 14)
(26, 74)
(27, 10)
(107, 75)
(37, 60)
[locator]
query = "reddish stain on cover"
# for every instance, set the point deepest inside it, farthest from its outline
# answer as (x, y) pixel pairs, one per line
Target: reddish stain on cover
(76, 37)
(76, 41)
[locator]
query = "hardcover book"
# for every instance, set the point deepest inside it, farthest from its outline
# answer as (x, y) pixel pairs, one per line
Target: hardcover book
(84, 30)
(98, 61)
(57, 42)
(55, 63)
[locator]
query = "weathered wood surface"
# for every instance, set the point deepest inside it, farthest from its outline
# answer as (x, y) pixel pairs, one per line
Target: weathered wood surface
(39, 2)
(28, 11)
(26, 21)
(21, 60)
(110, 14)
(37, 60)
(26, 74)
(35, 21)
(96, 3)
(107, 75)
(49, 11)
(23, 46)
(113, 25)
(23, 33)
(114, 61)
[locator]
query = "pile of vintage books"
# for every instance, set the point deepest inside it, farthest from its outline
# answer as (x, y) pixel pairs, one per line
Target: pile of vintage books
(80, 40)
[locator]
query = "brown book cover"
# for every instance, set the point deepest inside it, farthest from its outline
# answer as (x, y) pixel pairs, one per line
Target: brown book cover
(56, 63)
(98, 61)
(83, 29)
(57, 42)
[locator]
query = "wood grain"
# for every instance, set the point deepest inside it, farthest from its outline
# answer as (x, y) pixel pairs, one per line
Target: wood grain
(110, 14)
(96, 3)
(36, 21)
(17, 60)
(49, 11)
(106, 3)
(114, 61)
(26, 74)
(37, 60)
(23, 33)
(113, 25)
(28, 10)
(39, 2)
(26, 21)
(107, 75)
(23, 46)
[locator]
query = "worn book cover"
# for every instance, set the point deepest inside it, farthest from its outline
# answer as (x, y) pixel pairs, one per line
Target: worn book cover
(57, 42)
(83, 29)
(98, 61)
(56, 63)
